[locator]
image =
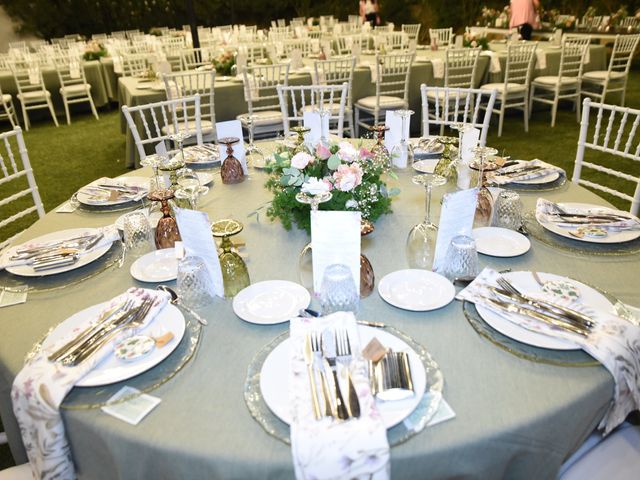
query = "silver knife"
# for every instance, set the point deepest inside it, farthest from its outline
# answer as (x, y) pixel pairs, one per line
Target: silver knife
(308, 360)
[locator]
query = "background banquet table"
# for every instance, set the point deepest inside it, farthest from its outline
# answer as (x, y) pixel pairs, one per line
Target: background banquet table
(515, 418)
(229, 96)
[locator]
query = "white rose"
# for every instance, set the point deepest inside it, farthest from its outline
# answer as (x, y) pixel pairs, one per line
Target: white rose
(351, 204)
(347, 152)
(300, 160)
(314, 186)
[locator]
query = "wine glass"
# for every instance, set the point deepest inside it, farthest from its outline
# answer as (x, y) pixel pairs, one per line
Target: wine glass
(421, 241)
(189, 187)
(403, 150)
(461, 127)
(154, 161)
(235, 274)
(252, 149)
(179, 137)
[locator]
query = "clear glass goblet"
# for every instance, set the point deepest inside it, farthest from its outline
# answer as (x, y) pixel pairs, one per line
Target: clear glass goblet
(189, 187)
(403, 150)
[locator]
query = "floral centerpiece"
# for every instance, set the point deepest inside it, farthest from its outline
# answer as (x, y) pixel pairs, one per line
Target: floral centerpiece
(473, 41)
(352, 174)
(487, 17)
(93, 51)
(224, 62)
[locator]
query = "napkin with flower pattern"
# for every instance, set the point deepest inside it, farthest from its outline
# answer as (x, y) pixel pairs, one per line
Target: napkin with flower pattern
(328, 448)
(547, 211)
(614, 342)
(507, 175)
(41, 385)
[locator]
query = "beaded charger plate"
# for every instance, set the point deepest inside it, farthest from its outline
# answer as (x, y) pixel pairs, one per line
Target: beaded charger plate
(408, 428)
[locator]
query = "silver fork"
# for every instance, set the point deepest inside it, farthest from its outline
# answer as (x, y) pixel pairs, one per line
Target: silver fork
(343, 347)
(329, 351)
(316, 347)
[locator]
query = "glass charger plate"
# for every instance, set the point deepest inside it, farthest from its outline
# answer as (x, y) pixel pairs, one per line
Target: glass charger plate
(540, 187)
(538, 232)
(402, 432)
(82, 398)
(113, 258)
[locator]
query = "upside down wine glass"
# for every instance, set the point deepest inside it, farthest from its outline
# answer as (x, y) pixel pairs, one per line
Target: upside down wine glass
(421, 241)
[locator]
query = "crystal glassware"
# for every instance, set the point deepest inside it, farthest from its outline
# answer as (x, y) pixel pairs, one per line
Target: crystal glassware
(231, 170)
(379, 148)
(421, 241)
(508, 210)
(195, 285)
(154, 161)
(137, 234)
(167, 233)
(461, 260)
(300, 145)
(403, 151)
(189, 187)
(324, 134)
(461, 128)
(234, 271)
(252, 149)
(338, 291)
(305, 259)
(179, 137)
(484, 206)
(170, 167)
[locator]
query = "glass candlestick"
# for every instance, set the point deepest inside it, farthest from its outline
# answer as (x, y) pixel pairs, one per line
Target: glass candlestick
(167, 233)
(300, 145)
(231, 170)
(305, 262)
(324, 134)
(235, 275)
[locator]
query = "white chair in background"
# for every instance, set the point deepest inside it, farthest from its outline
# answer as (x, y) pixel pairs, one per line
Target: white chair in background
(148, 123)
(597, 84)
(14, 169)
(135, 64)
(188, 84)
(392, 88)
(32, 93)
(445, 106)
(566, 85)
(298, 99)
(412, 30)
(337, 72)
(6, 101)
(74, 87)
(460, 67)
(192, 58)
(514, 91)
(615, 132)
(442, 36)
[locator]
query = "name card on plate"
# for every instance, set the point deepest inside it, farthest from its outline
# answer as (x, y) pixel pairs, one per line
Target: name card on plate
(335, 238)
(232, 128)
(394, 136)
(195, 230)
(317, 124)
(456, 218)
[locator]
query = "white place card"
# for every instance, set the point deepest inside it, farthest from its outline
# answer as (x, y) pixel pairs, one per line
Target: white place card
(456, 218)
(317, 125)
(13, 296)
(459, 41)
(131, 411)
(394, 136)
(470, 138)
(232, 128)
(195, 231)
(335, 238)
(296, 59)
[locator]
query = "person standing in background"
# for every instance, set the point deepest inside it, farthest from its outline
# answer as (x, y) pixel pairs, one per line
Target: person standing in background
(370, 12)
(524, 16)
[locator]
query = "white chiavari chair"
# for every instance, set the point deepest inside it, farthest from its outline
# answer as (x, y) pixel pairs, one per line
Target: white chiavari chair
(193, 58)
(566, 85)
(9, 113)
(412, 30)
(336, 72)
(32, 92)
(460, 67)
(74, 87)
(614, 133)
(443, 106)
(630, 23)
(442, 36)
(135, 64)
(17, 182)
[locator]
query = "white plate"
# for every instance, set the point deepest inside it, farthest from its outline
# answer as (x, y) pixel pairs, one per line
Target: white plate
(612, 237)
(548, 178)
(274, 378)
(157, 266)
(28, 271)
(500, 242)
(110, 369)
(425, 166)
(205, 178)
(270, 302)
(88, 199)
(153, 219)
(417, 290)
(525, 282)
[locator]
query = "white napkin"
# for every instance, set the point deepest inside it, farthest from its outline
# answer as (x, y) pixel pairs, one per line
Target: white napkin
(438, 68)
(110, 235)
(494, 63)
(40, 387)
(117, 64)
(328, 449)
(541, 59)
(74, 68)
(613, 342)
(498, 177)
(545, 211)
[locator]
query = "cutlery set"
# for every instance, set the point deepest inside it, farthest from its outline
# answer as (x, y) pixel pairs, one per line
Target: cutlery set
(390, 377)
(56, 254)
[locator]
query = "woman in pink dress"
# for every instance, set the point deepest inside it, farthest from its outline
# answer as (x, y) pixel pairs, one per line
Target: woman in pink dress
(524, 16)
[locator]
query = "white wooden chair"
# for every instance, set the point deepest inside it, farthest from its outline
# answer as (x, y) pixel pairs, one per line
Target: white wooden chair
(148, 122)
(566, 85)
(254, 52)
(135, 64)
(32, 93)
(260, 92)
(514, 91)
(188, 84)
(392, 88)
(412, 30)
(597, 84)
(630, 23)
(615, 132)
(192, 58)
(336, 72)
(445, 106)
(289, 46)
(442, 36)
(17, 182)
(460, 67)
(6, 101)
(298, 99)
(74, 87)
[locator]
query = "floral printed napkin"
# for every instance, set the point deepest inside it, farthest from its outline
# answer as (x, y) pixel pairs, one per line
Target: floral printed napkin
(546, 211)
(504, 175)
(40, 387)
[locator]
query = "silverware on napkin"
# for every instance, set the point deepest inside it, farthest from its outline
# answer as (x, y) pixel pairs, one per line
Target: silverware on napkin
(329, 353)
(308, 360)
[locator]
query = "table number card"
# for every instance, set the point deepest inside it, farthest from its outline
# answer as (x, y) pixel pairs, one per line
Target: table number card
(456, 218)
(335, 238)
(195, 231)
(232, 128)
(394, 136)
(316, 124)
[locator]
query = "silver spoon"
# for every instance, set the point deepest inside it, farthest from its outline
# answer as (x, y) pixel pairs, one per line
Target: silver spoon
(175, 301)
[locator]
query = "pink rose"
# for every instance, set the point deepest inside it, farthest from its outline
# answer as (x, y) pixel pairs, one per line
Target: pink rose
(322, 152)
(300, 160)
(365, 153)
(348, 177)
(347, 152)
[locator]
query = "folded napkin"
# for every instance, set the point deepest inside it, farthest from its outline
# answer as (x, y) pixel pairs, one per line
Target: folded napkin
(547, 211)
(614, 342)
(328, 448)
(438, 68)
(110, 235)
(494, 63)
(506, 175)
(98, 198)
(541, 59)
(41, 385)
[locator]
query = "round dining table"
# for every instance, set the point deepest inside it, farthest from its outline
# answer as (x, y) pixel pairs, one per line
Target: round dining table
(514, 417)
